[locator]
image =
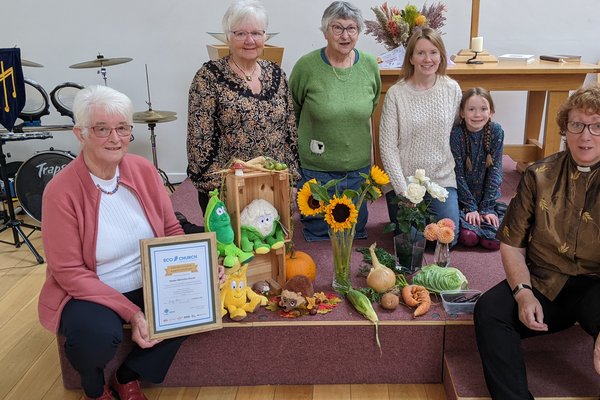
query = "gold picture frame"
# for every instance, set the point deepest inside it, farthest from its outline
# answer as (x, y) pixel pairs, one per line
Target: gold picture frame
(181, 285)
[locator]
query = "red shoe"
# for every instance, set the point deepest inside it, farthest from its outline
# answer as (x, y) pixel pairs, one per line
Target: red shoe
(128, 391)
(106, 395)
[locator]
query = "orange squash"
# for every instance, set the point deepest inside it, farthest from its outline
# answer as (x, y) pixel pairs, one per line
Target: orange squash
(299, 263)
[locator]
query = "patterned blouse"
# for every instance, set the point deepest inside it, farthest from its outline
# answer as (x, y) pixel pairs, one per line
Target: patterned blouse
(556, 216)
(227, 121)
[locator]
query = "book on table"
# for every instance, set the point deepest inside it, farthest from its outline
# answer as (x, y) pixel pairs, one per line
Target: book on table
(561, 57)
(517, 58)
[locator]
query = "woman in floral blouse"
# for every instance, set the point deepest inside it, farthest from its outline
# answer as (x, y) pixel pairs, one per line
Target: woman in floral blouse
(549, 249)
(239, 106)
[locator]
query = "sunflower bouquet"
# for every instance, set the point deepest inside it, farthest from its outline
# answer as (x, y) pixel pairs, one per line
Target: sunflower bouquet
(340, 211)
(394, 26)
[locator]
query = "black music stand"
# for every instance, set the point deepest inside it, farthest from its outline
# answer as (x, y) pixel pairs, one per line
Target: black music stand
(11, 222)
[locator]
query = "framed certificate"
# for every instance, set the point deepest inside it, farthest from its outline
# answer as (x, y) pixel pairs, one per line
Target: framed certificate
(181, 284)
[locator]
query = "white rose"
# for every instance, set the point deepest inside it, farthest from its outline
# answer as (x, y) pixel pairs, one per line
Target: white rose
(437, 192)
(415, 193)
(420, 175)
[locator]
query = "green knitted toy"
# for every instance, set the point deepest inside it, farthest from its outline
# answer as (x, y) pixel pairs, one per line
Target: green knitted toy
(217, 220)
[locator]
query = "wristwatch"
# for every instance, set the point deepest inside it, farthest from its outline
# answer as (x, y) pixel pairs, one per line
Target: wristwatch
(520, 287)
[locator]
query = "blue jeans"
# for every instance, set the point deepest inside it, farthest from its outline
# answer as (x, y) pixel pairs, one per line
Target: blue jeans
(439, 210)
(315, 228)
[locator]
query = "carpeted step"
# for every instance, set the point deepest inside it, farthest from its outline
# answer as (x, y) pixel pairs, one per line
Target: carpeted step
(559, 366)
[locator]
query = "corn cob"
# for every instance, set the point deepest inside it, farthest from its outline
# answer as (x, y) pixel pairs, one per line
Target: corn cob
(363, 305)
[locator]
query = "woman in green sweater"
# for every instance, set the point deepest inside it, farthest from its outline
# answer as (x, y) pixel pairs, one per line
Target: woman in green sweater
(335, 91)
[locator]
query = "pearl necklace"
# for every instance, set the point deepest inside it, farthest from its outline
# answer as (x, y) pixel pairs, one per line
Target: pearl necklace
(112, 191)
(248, 77)
(335, 72)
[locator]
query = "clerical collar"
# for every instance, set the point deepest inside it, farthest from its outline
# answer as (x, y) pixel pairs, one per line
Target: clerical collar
(583, 169)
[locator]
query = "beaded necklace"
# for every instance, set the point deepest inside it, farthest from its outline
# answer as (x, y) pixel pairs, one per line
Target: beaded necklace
(111, 191)
(335, 72)
(248, 77)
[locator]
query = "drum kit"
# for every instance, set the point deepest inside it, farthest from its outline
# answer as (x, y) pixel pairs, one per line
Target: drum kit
(34, 174)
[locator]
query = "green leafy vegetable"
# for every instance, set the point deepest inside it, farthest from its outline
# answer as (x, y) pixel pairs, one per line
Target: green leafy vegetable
(383, 256)
(437, 279)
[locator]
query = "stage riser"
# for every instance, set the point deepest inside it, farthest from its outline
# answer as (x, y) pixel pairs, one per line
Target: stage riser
(558, 365)
(297, 355)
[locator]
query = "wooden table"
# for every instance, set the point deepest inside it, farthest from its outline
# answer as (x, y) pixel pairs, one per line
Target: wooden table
(547, 84)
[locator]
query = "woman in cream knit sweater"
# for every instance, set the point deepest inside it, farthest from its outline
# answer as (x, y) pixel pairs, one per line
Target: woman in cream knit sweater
(416, 121)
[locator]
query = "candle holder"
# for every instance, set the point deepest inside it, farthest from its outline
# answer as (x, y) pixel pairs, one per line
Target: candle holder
(473, 60)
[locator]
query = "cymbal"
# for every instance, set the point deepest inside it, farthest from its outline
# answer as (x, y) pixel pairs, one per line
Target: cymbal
(156, 121)
(100, 62)
(154, 116)
(27, 63)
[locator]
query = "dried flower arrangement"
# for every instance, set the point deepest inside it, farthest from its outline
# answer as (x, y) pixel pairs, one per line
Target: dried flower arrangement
(393, 26)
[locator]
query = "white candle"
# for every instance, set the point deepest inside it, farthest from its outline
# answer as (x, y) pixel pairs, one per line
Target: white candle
(477, 44)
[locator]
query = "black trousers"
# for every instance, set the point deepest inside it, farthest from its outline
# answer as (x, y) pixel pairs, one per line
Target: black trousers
(93, 333)
(499, 330)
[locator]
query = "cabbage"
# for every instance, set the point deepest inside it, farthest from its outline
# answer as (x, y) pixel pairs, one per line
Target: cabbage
(436, 279)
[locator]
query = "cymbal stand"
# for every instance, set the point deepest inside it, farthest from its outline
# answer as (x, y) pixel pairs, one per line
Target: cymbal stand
(102, 71)
(19, 237)
(165, 178)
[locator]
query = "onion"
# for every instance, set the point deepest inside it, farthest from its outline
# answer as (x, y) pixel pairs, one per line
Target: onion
(380, 278)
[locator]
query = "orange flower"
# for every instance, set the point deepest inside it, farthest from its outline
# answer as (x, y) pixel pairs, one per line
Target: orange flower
(420, 20)
(445, 234)
(446, 222)
(431, 232)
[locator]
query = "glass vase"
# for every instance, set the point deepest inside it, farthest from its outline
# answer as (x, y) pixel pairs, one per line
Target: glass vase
(409, 249)
(441, 257)
(341, 247)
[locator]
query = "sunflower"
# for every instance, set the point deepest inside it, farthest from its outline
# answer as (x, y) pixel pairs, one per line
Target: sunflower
(341, 213)
(379, 176)
(378, 191)
(306, 202)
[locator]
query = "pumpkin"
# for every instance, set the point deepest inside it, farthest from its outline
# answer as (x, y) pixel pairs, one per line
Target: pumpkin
(299, 263)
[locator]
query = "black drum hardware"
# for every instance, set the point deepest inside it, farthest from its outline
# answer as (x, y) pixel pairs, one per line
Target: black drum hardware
(11, 222)
(153, 117)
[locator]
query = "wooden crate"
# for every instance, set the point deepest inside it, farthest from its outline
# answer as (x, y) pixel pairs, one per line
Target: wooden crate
(273, 187)
(267, 266)
(270, 53)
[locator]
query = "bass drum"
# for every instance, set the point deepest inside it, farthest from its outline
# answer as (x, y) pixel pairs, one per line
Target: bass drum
(33, 176)
(62, 97)
(36, 102)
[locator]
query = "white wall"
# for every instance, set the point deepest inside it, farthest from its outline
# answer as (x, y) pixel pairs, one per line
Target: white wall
(170, 37)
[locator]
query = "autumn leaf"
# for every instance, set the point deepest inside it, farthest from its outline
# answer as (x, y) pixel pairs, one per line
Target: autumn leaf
(542, 168)
(587, 217)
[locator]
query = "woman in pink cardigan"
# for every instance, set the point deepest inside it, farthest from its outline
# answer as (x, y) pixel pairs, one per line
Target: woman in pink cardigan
(95, 211)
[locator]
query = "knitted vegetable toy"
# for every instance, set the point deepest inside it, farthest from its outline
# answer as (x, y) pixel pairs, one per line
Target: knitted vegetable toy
(217, 220)
(237, 298)
(261, 229)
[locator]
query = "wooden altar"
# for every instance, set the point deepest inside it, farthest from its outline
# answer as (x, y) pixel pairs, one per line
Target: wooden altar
(547, 85)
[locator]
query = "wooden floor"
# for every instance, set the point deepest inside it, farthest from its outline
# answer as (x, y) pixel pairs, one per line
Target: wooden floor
(29, 358)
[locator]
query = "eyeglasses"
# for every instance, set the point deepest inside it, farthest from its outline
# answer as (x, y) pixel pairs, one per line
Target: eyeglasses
(338, 30)
(242, 35)
(105, 131)
(577, 128)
